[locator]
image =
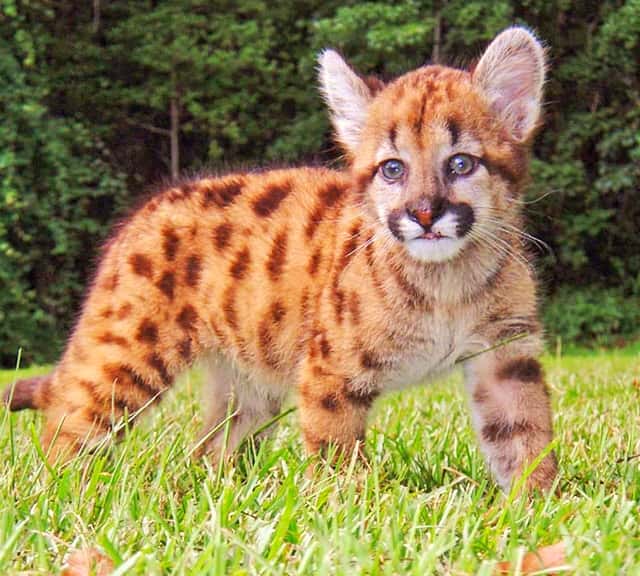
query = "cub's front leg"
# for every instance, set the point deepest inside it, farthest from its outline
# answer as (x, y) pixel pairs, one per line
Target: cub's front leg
(332, 411)
(511, 412)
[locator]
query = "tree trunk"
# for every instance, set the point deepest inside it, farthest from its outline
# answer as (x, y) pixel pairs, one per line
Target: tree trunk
(96, 16)
(175, 127)
(437, 38)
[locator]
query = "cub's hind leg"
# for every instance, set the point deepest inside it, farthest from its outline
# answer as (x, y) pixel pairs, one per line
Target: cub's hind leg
(237, 398)
(83, 403)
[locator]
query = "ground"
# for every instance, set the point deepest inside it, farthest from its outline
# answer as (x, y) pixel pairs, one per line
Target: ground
(426, 505)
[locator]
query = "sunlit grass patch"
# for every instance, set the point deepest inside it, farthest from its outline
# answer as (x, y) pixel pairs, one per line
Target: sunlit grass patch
(424, 505)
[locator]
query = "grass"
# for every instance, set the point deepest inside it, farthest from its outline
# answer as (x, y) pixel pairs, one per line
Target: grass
(426, 505)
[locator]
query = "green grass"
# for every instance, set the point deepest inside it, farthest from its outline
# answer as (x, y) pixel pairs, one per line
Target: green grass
(426, 505)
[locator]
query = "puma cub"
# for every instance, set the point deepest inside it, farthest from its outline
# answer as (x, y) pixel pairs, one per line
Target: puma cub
(338, 284)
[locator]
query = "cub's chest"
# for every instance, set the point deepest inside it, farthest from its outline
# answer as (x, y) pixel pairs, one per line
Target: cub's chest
(434, 344)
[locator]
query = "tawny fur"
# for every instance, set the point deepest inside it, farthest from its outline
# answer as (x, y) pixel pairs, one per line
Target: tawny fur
(291, 279)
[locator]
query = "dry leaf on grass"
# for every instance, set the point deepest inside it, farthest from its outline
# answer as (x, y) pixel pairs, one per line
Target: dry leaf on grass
(545, 558)
(87, 562)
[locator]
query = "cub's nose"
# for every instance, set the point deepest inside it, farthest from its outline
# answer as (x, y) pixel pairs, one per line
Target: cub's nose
(422, 216)
(426, 211)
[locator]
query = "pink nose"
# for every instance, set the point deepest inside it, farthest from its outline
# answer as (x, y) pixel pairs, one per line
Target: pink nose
(423, 217)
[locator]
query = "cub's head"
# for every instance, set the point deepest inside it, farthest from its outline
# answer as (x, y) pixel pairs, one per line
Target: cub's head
(441, 153)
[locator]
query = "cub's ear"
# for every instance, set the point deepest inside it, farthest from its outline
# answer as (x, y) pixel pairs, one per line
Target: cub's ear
(511, 75)
(347, 96)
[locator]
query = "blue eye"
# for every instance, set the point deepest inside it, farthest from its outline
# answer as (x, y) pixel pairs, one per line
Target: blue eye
(392, 169)
(461, 165)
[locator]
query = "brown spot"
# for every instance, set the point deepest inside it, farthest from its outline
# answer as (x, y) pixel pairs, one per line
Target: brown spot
(358, 396)
(325, 347)
(125, 376)
(167, 284)
(278, 256)
(222, 235)
(319, 371)
(512, 167)
(354, 307)
(419, 120)
(328, 196)
(170, 244)
(273, 195)
(173, 195)
(228, 308)
(416, 297)
(94, 390)
(193, 269)
(221, 194)
(105, 400)
(111, 282)
(373, 270)
(124, 311)
(365, 177)
(98, 420)
(304, 305)
(314, 262)
(314, 221)
(189, 187)
(393, 133)
(369, 361)
(187, 317)
(222, 339)
(184, 349)
(338, 300)
(106, 313)
(147, 332)
(454, 130)
(480, 395)
(141, 265)
(265, 340)
(502, 431)
(110, 338)
(331, 193)
(240, 265)
(156, 362)
(522, 369)
(278, 312)
(78, 353)
(330, 402)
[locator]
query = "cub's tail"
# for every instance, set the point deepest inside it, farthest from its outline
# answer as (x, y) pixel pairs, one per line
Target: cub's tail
(27, 393)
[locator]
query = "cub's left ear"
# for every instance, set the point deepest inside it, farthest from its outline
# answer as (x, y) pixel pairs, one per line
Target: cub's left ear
(348, 97)
(511, 75)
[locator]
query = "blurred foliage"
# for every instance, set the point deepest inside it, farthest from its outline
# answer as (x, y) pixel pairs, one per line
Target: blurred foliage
(592, 316)
(58, 191)
(85, 91)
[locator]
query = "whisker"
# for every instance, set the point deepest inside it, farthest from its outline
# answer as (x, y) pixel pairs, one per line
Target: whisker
(508, 249)
(509, 228)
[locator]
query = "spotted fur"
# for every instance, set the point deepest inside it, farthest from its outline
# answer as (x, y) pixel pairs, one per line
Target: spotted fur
(340, 284)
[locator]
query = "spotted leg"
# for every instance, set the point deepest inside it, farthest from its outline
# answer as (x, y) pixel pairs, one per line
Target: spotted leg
(512, 415)
(332, 413)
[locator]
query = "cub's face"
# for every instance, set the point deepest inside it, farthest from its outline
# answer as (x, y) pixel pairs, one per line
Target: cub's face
(439, 153)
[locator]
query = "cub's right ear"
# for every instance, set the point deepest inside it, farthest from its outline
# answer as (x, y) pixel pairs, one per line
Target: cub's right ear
(347, 96)
(511, 76)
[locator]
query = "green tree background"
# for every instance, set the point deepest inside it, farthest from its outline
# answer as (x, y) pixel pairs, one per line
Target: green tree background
(101, 99)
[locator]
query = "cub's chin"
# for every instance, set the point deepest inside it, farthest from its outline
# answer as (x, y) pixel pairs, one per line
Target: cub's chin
(434, 249)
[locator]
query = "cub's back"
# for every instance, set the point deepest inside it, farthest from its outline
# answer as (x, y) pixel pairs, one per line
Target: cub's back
(229, 261)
